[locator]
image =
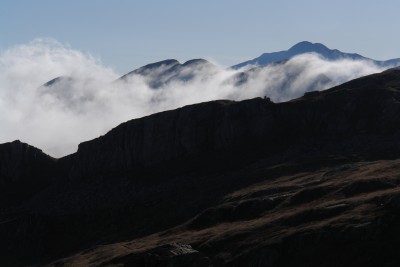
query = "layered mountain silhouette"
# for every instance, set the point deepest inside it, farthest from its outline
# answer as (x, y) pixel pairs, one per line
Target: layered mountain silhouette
(163, 72)
(308, 47)
(279, 75)
(309, 182)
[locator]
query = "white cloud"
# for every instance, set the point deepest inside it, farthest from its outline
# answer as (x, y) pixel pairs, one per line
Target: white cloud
(56, 119)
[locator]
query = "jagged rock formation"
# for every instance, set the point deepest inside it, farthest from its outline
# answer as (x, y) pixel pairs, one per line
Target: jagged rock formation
(310, 182)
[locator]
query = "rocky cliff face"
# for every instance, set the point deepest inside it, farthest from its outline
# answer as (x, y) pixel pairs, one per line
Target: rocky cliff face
(223, 183)
(206, 128)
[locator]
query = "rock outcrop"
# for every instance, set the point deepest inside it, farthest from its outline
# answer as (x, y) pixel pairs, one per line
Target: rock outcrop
(20, 161)
(24, 170)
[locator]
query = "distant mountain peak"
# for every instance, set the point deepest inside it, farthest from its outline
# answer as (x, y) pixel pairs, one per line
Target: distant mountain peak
(167, 62)
(309, 47)
(195, 62)
(306, 46)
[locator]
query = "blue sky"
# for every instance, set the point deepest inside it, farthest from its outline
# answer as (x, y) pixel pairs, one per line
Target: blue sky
(126, 34)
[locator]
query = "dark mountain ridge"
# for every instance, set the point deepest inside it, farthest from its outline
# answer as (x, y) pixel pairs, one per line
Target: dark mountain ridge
(223, 125)
(250, 183)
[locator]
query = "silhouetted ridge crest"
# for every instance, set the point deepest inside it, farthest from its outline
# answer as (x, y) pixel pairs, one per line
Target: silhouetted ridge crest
(342, 112)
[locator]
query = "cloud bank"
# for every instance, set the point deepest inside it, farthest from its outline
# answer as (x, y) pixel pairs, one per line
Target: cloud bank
(88, 101)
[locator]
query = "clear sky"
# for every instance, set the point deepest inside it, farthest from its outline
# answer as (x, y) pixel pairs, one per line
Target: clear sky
(126, 34)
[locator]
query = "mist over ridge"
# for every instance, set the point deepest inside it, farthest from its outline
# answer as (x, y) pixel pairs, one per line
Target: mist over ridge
(87, 99)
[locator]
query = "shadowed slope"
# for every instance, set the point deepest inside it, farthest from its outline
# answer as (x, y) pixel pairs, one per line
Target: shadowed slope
(248, 183)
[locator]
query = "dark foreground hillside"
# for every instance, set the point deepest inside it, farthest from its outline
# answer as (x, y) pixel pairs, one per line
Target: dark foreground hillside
(310, 182)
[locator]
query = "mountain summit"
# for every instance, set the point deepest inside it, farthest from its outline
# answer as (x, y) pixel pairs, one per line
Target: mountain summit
(308, 47)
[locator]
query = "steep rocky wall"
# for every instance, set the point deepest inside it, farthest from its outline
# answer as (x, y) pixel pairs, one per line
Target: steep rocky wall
(351, 112)
(192, 130)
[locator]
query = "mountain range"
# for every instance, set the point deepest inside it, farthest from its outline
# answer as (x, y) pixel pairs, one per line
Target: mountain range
(162, 73)
(309, 182)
